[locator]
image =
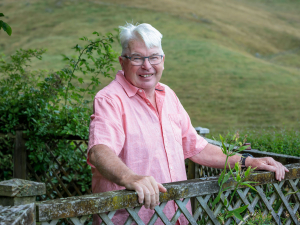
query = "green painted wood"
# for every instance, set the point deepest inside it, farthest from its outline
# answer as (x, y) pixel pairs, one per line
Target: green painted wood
(208, 210)
(135, 216)
(286, 204)
(159, 213)
(185, 212)
(178, 212)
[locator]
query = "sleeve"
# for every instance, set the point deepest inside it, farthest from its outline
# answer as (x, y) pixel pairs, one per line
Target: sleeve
(106, 126)
(192, 143)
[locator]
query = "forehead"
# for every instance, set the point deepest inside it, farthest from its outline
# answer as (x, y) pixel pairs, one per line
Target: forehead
(139, 47)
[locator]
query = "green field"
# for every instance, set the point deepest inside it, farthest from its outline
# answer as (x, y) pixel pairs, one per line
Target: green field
(234, 64)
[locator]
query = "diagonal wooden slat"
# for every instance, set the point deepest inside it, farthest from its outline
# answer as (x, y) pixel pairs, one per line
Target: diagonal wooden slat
(208, 210)
(285, 202)
(53, 222)
(105, 219)
(265, 201)
(80, 221)
(199, 210)
(178, 212)
(135, 216)
(129, 219)
(110, 215)
(186, 213)
(159, 213)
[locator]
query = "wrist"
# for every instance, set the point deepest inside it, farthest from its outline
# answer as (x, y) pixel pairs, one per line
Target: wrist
(246, 159)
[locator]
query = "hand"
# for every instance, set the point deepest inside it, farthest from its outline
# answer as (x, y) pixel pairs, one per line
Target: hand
(147, 188)
(267, 163)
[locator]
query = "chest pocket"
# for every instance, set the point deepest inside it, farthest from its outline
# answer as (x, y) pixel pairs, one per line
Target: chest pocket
(175, 120)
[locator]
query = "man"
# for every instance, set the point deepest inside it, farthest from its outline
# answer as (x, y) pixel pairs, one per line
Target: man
(140, 134)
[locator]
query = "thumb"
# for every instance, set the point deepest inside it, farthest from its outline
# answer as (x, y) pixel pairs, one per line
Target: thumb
(161, 188)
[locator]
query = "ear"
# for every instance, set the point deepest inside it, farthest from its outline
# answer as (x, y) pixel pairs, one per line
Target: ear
(121, 61)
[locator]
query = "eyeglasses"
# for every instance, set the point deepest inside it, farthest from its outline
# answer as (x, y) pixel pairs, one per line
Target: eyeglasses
(139, 60)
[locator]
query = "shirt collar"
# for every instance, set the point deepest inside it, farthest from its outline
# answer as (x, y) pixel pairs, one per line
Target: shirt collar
(129, 88)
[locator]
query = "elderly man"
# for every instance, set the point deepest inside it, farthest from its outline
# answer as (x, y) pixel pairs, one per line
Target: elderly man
(140, 133)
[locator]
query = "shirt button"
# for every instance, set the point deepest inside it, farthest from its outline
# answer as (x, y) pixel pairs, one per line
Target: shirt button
(148, 103)
(140, 90)
(171, 167)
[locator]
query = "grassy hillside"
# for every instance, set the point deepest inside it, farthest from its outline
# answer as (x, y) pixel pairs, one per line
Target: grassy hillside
(233, 64)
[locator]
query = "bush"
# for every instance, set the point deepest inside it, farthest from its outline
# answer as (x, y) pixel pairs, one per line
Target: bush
(52, 105)
(275, 140)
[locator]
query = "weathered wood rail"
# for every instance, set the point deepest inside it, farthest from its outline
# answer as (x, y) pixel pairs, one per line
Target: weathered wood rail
(279, 199)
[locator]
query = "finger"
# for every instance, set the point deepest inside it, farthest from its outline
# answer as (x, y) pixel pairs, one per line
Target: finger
(152, 194)
(147, 197)
(153, 201)
(156, 190)
(161, 188)
(140, 192)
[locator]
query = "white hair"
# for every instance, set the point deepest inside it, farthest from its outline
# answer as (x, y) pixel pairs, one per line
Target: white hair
(144, 32)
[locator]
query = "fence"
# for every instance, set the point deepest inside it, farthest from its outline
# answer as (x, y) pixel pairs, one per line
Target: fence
(59, 183)
(280, 200)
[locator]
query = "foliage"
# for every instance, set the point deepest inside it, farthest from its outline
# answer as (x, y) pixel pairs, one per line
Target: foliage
(5, 26)
(53, 105)
(6, 164)
(282, 141)
(258, 218)
(234, 146)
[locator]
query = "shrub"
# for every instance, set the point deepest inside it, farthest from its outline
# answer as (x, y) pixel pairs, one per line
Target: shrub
(52, 105)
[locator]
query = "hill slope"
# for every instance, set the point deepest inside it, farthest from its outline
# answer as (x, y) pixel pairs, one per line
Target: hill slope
(233, 64)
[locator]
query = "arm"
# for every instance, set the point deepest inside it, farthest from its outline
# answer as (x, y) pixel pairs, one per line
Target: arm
(112, 168)
(213, 156)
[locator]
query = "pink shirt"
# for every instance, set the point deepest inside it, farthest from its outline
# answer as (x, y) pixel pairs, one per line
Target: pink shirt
(149, 142)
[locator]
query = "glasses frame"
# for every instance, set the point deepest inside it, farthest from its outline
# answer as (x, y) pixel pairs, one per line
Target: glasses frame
(129, 57)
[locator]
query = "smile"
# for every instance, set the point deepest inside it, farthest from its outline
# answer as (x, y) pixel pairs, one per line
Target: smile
(148, 75)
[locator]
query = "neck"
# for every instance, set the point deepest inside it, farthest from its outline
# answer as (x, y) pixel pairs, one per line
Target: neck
(150, 94)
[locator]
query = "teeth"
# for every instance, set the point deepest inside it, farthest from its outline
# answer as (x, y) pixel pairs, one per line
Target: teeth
(147, 75)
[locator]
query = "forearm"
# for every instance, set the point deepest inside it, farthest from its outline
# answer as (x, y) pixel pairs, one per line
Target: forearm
(109, 164)
(213, 156)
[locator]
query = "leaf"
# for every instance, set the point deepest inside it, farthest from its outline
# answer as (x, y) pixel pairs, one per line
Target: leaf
(237, 215)
(226, 177)
(6, 28)
(247, 173)
(80, 80)
(1, 14)
(225, 202)
(217, 199)
(248, 185)
(221, 177)
(241, 209)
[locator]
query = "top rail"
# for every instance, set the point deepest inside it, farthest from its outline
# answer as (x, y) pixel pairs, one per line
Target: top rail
(114, 200)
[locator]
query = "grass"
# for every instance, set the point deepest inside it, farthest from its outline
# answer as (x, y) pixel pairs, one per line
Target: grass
(233, 64)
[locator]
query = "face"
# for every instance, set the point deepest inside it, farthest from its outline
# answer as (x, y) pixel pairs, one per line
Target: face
(145, 76)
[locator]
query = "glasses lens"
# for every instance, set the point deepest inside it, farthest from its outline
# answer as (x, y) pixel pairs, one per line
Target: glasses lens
(155, 59)
(136, 60)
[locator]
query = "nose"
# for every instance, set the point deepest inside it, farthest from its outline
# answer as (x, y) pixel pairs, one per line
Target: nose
(146, 65)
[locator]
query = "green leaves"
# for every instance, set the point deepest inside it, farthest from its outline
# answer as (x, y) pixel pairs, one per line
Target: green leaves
(238, 176)
(5, 26)
(53, 104)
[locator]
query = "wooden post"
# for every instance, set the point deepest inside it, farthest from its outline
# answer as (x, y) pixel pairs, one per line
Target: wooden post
(17, 201)
(193, 168)
(20, 157)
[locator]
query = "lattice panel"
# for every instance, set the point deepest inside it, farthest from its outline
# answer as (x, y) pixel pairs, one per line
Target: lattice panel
(61, 180)
(281, 201)
(205, 171)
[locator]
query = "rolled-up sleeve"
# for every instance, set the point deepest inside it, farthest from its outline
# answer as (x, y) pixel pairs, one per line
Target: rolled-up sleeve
(106, 126)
